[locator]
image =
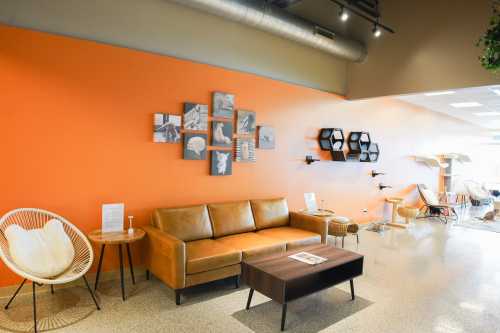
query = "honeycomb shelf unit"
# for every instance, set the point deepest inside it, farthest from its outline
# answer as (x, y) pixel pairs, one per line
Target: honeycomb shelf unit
(371, 155)
(332, 140)
(361, 148)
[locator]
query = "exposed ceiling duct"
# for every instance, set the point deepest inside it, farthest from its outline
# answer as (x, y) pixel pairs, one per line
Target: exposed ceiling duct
(264, 16)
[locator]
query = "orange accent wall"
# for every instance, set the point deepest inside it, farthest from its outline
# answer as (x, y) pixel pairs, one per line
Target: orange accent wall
(76, 132)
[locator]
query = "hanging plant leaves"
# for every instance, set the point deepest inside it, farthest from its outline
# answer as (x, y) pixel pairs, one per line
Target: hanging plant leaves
(490, 42)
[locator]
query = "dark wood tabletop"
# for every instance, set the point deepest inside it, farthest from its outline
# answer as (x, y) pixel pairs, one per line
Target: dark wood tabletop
(286, 269)
(284, 279)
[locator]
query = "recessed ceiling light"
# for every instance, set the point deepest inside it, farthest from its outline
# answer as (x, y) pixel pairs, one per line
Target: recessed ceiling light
(466, 105)
(487, 114)
(438, 93)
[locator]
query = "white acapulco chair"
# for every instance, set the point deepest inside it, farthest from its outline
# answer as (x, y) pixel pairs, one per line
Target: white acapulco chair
(34, 218)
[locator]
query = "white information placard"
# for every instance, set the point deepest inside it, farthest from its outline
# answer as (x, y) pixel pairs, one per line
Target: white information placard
(112, 217)
(310, 199)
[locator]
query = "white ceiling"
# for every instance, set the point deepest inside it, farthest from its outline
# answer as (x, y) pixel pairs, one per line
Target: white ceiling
(487, 96)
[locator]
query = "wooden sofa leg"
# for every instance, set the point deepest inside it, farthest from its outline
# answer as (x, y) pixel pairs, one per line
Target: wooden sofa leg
(178, 296)
(237, 281)
(148, 274)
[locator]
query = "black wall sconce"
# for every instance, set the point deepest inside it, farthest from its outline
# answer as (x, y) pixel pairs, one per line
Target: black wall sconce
(375, 173)
(382, 186)
(310, 159)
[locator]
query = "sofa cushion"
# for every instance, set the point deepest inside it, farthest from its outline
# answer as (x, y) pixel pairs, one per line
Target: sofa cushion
(231, 218)
(206, 254)
(293, 237)
(270, 213)
(251, 244)
(185, 223)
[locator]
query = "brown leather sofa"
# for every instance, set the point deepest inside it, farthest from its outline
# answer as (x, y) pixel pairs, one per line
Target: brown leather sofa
(188, 246)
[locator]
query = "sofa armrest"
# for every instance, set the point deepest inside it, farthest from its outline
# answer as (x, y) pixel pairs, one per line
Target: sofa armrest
(311, 223)
(166, 257)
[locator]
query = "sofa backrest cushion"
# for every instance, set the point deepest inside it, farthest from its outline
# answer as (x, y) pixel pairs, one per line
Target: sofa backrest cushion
(231, 218)
(185, 223)
(269, 213)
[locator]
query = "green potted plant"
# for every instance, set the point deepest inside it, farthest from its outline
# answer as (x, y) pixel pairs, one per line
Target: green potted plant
(490, 42)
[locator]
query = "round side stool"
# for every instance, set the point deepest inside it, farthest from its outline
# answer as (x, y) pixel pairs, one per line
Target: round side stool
(409, 213)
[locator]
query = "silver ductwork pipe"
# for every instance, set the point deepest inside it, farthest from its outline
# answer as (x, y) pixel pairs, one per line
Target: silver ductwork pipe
(261, 15)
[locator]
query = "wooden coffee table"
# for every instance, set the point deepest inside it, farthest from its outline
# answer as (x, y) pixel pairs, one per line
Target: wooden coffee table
(283, 279)
(116, 238)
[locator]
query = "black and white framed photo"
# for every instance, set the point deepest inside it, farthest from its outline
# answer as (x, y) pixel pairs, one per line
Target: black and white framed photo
(195, 146)
(222, 133)
(266, 137)
(166, 128)
(223, 105)
(195, 117)
(245, 150)
(221, 163)
(245, 122)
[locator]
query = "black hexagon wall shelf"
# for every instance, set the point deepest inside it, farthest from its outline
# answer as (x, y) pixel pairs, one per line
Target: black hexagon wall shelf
(332, 139)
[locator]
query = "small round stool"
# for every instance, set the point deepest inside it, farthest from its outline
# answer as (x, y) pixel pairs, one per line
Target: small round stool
(341, 226)
(409, 213)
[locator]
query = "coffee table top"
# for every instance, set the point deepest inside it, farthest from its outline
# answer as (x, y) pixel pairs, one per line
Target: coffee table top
(286, 269)
(120, 237)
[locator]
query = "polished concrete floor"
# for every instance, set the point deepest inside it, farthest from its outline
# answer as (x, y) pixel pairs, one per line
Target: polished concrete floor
(429, 278)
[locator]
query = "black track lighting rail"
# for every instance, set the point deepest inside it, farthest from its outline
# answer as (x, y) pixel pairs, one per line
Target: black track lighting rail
(375, 22)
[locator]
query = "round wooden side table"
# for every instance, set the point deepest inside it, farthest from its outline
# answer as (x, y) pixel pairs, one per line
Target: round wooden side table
(116, 238)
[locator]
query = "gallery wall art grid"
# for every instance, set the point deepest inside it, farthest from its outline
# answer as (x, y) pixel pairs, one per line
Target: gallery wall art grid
(234, 134)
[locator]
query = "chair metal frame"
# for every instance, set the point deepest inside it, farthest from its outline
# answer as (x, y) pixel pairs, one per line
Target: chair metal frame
(35, 218)
(440, 211)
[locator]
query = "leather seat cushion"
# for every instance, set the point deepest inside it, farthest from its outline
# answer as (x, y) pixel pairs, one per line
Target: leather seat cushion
(207, 254)
(185, 223)
(270, 213)
(293, 237)
(251, 244)
(231, 218)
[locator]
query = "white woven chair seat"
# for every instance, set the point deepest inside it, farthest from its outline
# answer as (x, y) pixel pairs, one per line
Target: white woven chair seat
(34, 218)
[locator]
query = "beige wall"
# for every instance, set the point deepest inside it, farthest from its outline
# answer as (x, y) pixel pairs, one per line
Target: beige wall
(166, 28)
(433, 49)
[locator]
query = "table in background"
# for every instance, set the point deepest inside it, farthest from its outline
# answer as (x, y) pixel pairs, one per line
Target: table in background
(116, 238)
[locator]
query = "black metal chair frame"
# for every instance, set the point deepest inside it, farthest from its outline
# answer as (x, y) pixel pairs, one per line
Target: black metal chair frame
(441, 211)
(34, 284)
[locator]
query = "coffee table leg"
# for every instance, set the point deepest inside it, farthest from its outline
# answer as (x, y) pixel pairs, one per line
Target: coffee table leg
(352, 289)
(120, 254)
(130, 263)
(250, 294)
(99, 266)
(283, 317)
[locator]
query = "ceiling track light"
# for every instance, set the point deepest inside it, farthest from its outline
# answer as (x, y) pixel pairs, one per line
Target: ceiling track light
(343, 14)
(346, 10)
(376, 31)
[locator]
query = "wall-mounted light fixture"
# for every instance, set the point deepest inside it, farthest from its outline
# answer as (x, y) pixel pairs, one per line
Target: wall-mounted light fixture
(375, 173)
(382, 186)
(310, 159)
